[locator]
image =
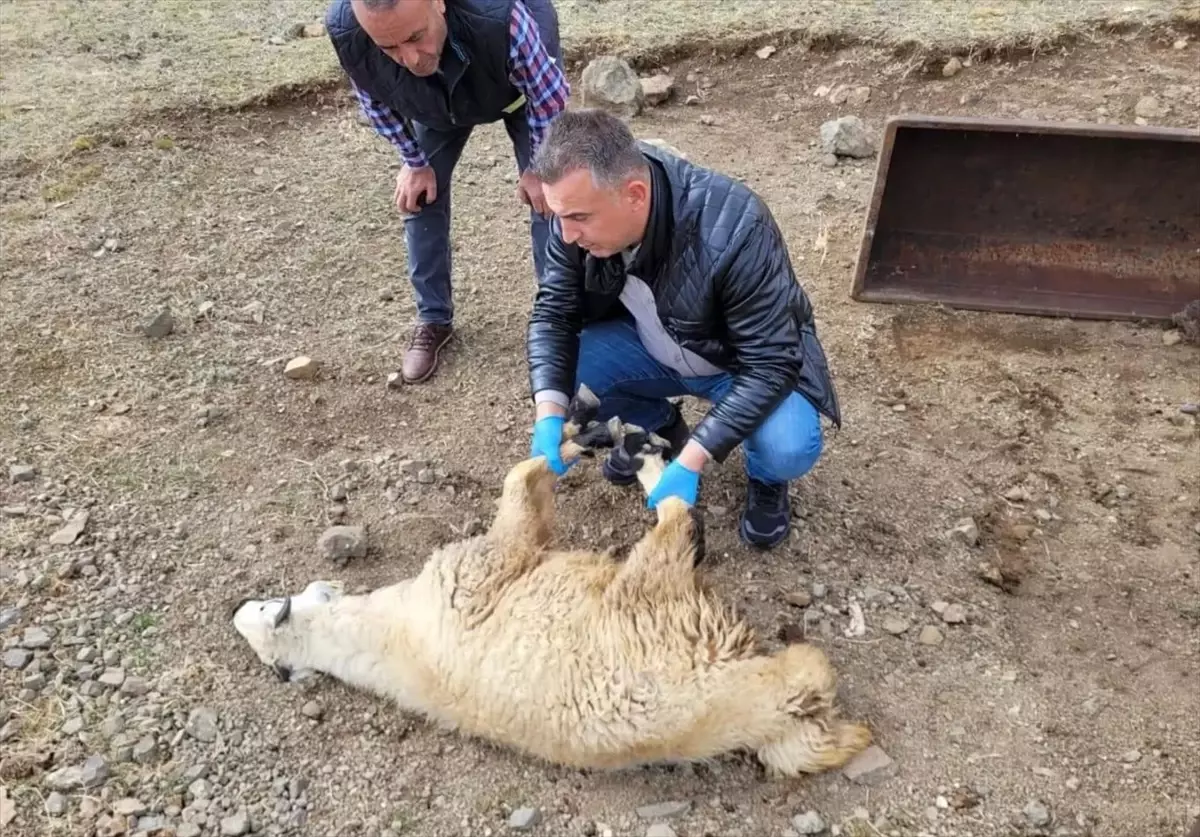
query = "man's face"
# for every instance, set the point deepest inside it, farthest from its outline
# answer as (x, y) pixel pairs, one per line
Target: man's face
(603, 221)
(411, 33)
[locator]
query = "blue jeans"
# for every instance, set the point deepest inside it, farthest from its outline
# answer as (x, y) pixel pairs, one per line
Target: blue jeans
(634, 386)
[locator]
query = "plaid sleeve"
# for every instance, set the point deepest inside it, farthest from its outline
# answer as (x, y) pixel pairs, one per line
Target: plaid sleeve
(536, 74)
(391, 127)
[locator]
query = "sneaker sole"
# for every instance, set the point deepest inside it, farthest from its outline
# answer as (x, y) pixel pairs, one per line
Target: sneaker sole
(758, 541)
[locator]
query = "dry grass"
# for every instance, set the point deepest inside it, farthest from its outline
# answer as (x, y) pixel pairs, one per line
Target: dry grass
(145, 55)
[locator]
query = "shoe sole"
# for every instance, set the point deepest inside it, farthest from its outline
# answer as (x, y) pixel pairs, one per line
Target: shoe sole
(437, 354)
(757, 541)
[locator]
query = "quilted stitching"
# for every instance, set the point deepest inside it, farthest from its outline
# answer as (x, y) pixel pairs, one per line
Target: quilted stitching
(727, 268)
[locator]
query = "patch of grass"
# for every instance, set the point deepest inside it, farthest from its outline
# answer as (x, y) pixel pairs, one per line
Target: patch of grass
(164, 143)
(1190, 612)
(70, 185)
(84, 143)
(197, 58)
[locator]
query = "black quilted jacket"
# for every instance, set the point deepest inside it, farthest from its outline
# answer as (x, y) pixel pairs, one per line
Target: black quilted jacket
(724, 288)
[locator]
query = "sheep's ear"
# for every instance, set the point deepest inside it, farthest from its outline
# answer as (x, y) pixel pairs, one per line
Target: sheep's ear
(238, 606)
(284, 612)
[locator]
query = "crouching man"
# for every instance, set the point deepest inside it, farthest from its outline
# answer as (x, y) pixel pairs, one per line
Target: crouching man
(664, 278)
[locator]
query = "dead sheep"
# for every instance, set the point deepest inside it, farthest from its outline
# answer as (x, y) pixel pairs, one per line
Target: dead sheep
(568, 655)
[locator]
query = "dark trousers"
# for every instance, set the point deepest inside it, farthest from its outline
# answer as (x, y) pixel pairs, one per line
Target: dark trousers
(427, 232)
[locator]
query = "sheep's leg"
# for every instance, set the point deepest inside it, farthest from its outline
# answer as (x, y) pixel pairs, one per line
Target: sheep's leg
(525, 518)
(664, 558)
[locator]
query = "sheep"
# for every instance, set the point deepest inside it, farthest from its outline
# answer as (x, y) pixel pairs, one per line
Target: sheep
(569, 655)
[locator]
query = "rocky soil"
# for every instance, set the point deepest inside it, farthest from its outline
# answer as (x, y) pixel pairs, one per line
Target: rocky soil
(1000, 550)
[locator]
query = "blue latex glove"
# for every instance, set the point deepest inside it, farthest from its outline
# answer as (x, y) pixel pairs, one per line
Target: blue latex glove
(676, 481)
(547, 436)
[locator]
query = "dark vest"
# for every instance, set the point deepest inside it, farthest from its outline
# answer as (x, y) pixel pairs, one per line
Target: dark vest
(473, 87)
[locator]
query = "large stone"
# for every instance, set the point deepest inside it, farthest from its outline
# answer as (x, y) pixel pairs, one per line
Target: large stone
(610, 82)
(846, 137)
(657, 89)
(341, 543)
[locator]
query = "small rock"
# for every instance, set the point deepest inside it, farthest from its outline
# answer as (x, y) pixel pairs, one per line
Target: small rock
(19, 510)
(954, 614)
(341, 543)
(829, 161)
(859, 96)
(1190, 409)
(1132, 757)
(708, 119)
(17, 658)
(129, 807)
(35, 638)
(895, 626)
(766, 52)
(1072, 783)
(145, 751)
(867, 765)
(1172, 337)
(56, 804)
(967, 531)
(162, 325)
(312, 710)
(952, 67)
(21, 473)
(846, 137)
(1017, 494)
(664, 810)
(395, 380)
(809, 822)
(657, 89)
(798, 598)
(819, 590)
(9, 616)
(692, 100)
(313, 30)
(205, 309)
(659, 829)
(524, 819)
(930, 636)
(610, 82)
(71, 530)
(134, 686)
(188, 829)
(302, 368)
(202, 724)
(1037, 813)
(236, 825)
(1149, 107)
(113, 677)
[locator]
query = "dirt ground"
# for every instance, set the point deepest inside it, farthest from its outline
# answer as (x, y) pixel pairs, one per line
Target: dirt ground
(207, 475)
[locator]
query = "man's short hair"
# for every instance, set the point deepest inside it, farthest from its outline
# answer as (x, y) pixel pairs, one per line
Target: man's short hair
(592, 139)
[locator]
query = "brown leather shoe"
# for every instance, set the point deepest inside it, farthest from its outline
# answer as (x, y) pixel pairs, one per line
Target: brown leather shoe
(421, 359)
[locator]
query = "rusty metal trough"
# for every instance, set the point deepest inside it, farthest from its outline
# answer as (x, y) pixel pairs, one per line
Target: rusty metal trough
(1056, 219)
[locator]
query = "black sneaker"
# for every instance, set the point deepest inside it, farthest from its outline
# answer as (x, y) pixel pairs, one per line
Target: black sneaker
(620, 469)
(767, 516)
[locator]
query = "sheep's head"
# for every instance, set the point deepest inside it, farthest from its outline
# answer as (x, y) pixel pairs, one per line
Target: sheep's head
(268, 625)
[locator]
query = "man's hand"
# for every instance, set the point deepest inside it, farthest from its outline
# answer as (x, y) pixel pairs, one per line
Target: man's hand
(547, 437)
(529, 190)
(411, 184)
(678, 480)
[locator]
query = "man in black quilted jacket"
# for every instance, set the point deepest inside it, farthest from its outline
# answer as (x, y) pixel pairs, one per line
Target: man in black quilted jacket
(664, 278)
